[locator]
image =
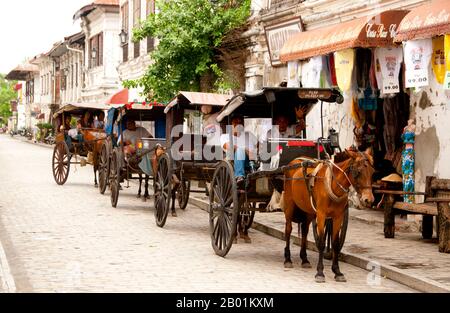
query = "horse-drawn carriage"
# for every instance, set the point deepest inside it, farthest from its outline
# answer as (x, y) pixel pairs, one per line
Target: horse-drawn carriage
(117, 163)
(191, 130)
(85, 144)
(315, 187)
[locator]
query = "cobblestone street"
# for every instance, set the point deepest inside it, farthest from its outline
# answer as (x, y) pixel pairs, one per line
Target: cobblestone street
(69, 239)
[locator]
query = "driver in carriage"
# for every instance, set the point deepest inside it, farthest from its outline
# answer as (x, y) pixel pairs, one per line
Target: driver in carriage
(245, 146)
(132, 135)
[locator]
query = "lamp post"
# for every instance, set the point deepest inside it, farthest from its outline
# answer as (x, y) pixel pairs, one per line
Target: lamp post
(123, 37)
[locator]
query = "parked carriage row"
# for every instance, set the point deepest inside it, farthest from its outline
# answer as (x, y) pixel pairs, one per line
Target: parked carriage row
(172, 167)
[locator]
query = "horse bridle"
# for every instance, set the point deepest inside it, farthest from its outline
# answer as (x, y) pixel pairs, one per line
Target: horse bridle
(354, 173)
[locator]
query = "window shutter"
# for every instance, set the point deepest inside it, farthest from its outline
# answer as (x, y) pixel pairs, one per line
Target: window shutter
(100, 49)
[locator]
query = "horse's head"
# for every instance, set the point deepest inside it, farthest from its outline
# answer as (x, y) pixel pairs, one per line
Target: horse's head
(360, 173)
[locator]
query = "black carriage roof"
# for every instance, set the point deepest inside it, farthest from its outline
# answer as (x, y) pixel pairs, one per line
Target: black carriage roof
(141, 110)
(271, 101)
(80, 108)
(187, 99)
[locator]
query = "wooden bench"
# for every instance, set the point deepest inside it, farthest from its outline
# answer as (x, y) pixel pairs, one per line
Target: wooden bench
(436, 203)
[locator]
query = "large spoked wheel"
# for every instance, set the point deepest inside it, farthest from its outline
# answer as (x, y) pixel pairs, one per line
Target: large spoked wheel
(103, 168)
(61, 163)
(223, 208)
(328, 252)
(183, 191)
(114, 177)
(163, 189)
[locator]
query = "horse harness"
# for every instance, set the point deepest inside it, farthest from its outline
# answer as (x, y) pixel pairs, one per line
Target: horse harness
(329, 176)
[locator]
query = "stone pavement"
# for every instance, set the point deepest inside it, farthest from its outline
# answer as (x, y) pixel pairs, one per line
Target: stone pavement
(407, 258)
(69, 239)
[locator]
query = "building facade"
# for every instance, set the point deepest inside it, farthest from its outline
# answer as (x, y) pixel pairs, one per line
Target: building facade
(100, 24)
(135, 55)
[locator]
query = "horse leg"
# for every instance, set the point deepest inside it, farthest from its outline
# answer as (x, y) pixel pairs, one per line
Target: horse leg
(320, 277)
(146, 195)
(140, 184)
(289, 207)
(174, 196)
(95, 177)
(303, 255)
(338, 276)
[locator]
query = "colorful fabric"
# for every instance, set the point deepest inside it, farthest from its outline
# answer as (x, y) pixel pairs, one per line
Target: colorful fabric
(408, 174)
(332, 69)
(408, 156)
(344, 64)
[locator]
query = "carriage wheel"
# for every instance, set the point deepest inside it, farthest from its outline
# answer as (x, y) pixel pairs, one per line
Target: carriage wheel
(103, 169)
(183, 193)
(223, 208)
(114, 177)
(61, 163)
(328, 253)
(163, 189)
(246, 218)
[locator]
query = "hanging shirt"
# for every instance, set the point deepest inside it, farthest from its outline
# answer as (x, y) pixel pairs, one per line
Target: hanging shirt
(312, 72)
(389, 60)
(417, 60)
(438, 59)
(447, 61)
(344, 63)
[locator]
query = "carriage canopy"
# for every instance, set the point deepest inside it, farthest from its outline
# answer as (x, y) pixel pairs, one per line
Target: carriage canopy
(270, 101)
(188, 98)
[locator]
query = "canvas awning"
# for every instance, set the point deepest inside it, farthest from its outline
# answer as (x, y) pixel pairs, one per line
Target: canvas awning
(78, 107)
(120, 97)
(369, 31)
(21, 72)
(198, 98)
(426, 21)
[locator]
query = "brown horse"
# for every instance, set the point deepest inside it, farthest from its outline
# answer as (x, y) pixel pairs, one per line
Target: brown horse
(326, 198)
(93, 140)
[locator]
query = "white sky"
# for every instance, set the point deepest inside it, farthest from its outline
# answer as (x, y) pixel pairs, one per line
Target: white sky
(30, 27)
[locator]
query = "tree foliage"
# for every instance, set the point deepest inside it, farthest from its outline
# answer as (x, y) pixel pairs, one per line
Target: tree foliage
(7, 94)
(189, 33)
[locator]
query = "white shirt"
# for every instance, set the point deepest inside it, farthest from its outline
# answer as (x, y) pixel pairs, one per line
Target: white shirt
(133, 136)
(211, 129)
(275, 133)
(244, 140)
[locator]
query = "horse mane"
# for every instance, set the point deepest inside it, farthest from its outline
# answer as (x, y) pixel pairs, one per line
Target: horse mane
(341, 157)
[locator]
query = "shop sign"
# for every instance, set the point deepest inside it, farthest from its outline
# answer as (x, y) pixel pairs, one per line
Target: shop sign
(278, 34)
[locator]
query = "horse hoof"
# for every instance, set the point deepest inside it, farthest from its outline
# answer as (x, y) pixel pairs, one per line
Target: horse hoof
(138, 196)
(235, 241)
(306, 265)
(174, 214)
(320, 279)
(144, 199)
(246, 238)
(340, 278)
(96, 185)
(288, 265)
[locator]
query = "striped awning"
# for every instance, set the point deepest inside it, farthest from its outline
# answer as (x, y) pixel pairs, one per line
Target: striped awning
(369, 31)
(426, 21)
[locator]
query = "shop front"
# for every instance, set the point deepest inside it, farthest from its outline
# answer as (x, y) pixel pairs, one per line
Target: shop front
(361, 58)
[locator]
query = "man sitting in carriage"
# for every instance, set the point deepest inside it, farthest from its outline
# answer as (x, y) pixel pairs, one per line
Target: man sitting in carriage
(132, 135)
(245, 146)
